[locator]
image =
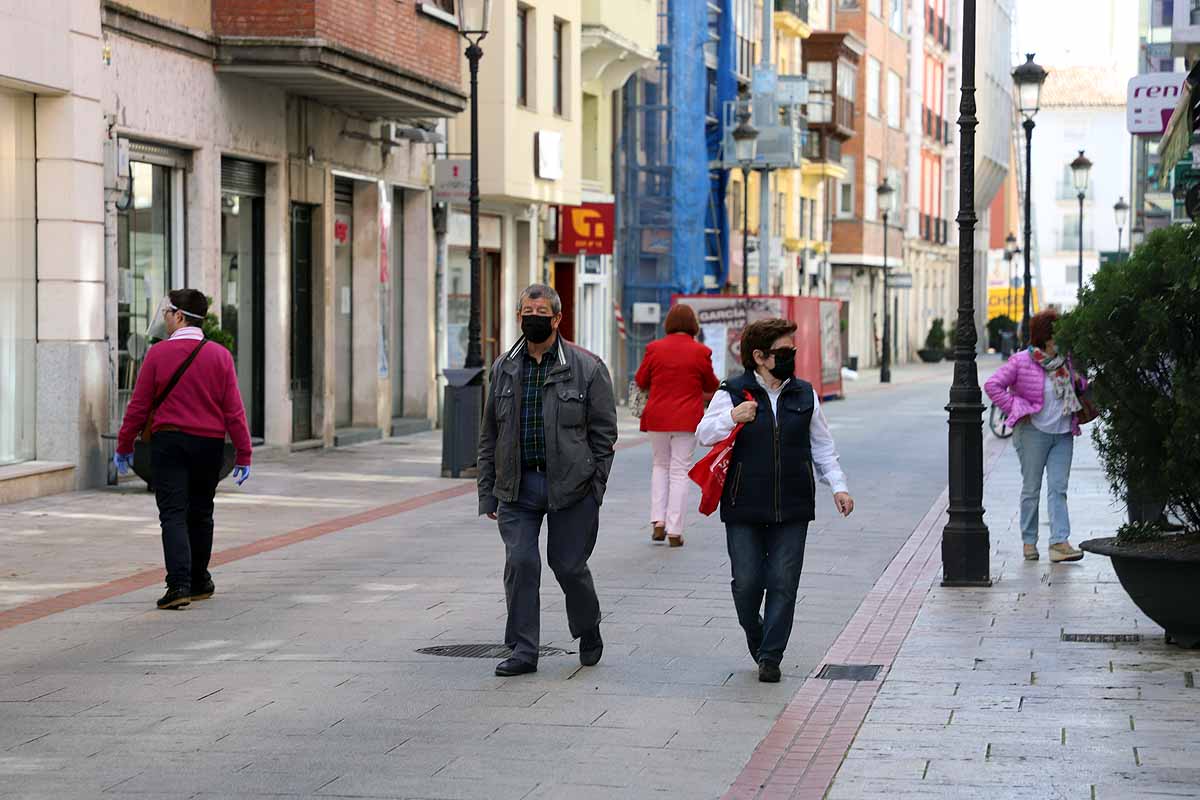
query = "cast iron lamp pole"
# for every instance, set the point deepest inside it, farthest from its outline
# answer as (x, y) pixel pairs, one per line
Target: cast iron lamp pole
(1080, 168)
(965, 543)
(473, 19)
(886, 194)
(1121, 213)
(745, 144)
(1029, 78)
(1010, 253)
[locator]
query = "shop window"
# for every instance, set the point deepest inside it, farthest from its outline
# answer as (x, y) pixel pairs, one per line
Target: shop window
(18, 294)
(146, 268)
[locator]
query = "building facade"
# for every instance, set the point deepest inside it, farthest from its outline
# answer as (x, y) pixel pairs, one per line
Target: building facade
(549, 80)
(275, 156)
(878, 150)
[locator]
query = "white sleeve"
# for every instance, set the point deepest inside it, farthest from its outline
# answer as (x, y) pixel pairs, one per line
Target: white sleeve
(717, 423)
(824, 453)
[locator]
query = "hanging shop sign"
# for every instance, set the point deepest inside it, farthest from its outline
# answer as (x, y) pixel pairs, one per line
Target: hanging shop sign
(1151, 99)
(451, 180)
(586, 229)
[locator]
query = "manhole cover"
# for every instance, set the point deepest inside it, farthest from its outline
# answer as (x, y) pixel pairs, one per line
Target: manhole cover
(1107, 638)
(849, 672)
(484, 651)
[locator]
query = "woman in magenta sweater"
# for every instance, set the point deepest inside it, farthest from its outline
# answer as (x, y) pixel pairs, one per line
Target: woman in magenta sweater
(1036, 390)
(677, 371)
(188, 444)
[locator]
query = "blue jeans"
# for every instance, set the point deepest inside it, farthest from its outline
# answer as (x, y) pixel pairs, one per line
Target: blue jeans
(1050, 453)
(766, 559)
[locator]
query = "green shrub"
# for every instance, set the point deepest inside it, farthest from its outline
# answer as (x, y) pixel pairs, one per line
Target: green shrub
(996, 326)
(1136, 332)
(936, 340)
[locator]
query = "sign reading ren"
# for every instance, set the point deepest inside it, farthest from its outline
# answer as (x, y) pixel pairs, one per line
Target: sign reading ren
(586, 229)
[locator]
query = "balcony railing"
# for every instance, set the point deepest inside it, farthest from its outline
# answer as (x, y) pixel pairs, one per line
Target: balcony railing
(796, 7)
(934, 230)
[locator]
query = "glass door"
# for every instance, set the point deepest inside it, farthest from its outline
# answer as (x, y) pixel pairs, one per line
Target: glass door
(144, 256)
(302, 323)
(242, 311)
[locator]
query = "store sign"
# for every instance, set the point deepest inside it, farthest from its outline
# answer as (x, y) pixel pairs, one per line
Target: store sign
(1151, 99)
(548, 155)
(451, 180)
(586, 229)
(900, 280)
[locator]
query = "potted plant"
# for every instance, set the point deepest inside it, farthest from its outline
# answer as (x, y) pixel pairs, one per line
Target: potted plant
(1137, 330)
(951, 333)
(935, 343)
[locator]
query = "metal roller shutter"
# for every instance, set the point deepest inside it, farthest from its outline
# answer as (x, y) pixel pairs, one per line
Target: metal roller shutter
(246, 178)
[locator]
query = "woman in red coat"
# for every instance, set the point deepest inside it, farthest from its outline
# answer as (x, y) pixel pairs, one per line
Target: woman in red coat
(677, 372)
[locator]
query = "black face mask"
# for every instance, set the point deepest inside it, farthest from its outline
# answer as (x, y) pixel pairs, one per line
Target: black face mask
(785, 365)
(537, 329)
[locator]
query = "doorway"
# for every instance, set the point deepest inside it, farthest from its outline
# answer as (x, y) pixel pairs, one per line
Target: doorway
(343, 300)
(396, 251)
(243, 267)
(302, 318)
(490, 311)
(564, 284)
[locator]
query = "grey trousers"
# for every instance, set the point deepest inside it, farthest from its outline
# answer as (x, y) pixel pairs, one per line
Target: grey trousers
(570, 538)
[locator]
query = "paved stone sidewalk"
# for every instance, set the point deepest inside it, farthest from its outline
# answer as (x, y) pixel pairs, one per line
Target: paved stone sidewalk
(300, 678)
(986, 699)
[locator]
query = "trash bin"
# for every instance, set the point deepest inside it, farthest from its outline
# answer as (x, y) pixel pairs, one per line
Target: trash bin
(1008, 343)
(462, 412)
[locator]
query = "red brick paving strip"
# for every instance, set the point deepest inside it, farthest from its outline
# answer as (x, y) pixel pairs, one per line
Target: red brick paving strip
(140, 580)
(804, 749)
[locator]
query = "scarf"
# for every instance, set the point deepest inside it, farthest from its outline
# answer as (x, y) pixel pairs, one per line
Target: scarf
(1059, 373)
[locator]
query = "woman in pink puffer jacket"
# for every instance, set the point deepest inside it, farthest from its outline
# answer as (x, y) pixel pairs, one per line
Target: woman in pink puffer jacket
(1037, 391)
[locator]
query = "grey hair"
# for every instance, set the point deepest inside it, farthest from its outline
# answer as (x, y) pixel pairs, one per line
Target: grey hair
(539, 291)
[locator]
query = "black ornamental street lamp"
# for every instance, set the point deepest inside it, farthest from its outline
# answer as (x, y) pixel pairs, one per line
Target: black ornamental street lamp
(1137, 234)
(745, 145)
(1121, 215)
(474, 16)
(1010, 253)
(965, 543)
(1029, 78)
(887, 196)
(1081, 168)
(464, 390)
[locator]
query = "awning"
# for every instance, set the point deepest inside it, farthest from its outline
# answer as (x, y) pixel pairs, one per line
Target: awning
(1177, 138)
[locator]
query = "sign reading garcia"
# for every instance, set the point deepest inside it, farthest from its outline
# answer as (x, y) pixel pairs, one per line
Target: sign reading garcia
(586, 229)
(1150, 101)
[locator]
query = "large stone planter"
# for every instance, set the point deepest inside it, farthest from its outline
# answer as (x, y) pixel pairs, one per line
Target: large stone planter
(1161, 579)
(930, 356)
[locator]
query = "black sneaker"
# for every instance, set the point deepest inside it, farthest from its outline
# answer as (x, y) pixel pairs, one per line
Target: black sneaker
(591, 647)
(175, 598)
(204, 590)
(768, 672)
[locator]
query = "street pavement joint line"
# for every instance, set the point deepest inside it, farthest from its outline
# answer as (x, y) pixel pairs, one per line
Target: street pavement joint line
(40, 609)
(805, 747)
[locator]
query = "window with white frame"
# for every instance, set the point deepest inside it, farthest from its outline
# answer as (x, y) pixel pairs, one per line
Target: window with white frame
(873, 77)
(870, 187)
(893, 100)
(896, 17)
(845, 195)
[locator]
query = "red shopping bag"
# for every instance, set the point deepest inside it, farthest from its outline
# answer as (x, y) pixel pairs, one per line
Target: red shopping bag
(709, 472)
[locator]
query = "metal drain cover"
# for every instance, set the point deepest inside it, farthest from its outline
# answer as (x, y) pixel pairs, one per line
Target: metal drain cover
(484, 651)
(1108, 638)
(849, 672)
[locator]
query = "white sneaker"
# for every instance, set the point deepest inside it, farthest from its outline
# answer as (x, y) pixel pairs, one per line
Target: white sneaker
(1063, 551)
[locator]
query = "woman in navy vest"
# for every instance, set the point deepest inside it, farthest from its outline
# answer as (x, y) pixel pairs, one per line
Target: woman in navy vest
(770, 492)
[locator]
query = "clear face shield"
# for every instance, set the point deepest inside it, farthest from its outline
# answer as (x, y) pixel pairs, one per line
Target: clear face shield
(158, 323)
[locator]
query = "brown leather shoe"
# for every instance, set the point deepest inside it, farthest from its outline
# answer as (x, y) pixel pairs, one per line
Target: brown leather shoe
(675, 541)
(659, 534)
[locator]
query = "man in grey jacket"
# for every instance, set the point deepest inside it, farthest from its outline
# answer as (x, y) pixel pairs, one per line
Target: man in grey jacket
(545, 451)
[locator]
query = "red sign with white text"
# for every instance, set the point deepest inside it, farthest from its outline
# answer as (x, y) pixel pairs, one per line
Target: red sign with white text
(587, 229)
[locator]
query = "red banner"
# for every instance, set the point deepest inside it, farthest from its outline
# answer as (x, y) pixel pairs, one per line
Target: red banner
(586, 229)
